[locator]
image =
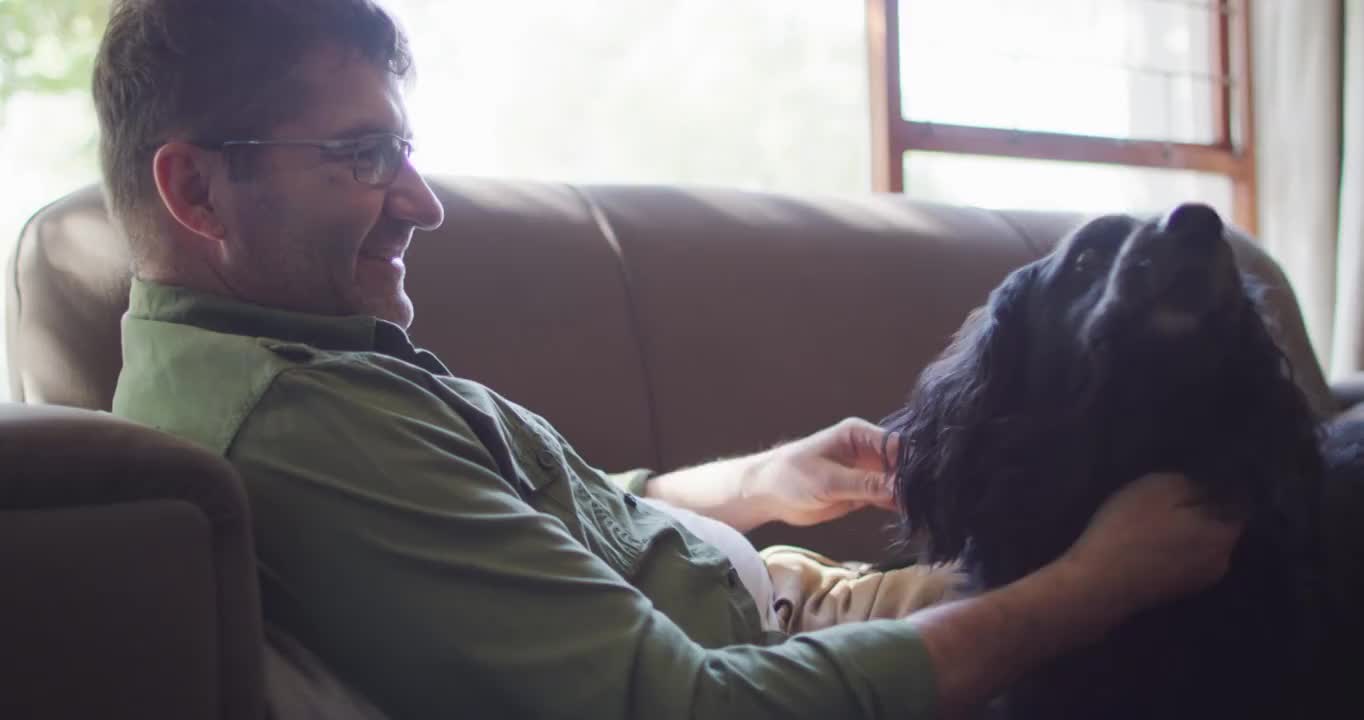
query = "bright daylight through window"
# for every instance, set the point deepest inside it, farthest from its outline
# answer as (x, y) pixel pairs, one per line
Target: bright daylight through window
(1152, 83)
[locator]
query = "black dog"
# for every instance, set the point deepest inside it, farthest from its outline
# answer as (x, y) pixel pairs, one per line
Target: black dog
(1134, 347)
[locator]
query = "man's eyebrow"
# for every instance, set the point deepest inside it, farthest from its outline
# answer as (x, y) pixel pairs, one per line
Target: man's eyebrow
(356, 131)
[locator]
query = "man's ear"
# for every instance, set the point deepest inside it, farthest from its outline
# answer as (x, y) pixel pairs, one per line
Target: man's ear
(184, 174)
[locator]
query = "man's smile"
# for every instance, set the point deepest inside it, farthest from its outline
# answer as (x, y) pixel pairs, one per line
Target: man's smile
(389, 253)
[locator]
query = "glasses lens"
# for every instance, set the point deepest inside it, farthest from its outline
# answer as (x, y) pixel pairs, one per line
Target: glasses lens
(369, 161)
(377, 160)
(381, 162)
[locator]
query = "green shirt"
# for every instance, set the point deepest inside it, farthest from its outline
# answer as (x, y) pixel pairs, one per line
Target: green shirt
(449, 554)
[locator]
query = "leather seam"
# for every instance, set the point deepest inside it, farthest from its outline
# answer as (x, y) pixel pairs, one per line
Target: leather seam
(1027, 239)
(608, 234)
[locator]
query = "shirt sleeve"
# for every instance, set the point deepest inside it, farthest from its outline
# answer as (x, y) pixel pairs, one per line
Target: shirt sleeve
(391, 546)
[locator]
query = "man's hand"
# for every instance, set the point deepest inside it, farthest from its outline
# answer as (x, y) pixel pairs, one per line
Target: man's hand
(826, 475)
(817, 478)
(1150, 542)
(1147, 544)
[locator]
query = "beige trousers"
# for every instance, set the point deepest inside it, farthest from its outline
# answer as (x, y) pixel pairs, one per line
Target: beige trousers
(811, 591)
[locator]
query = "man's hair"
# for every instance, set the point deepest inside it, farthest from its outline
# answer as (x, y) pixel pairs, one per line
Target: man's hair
(212, 69)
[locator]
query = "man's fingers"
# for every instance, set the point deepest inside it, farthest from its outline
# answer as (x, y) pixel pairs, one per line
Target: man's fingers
(863, 486)
(892, 446)
(888, 504)
(868, 446)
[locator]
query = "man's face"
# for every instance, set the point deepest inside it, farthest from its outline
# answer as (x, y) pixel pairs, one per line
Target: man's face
(301, 233)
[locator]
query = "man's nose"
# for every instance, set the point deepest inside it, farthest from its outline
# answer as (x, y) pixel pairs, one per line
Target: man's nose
(411, 200)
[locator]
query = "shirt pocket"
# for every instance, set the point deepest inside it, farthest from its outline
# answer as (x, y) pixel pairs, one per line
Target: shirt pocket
(610, 523)
(547, 481)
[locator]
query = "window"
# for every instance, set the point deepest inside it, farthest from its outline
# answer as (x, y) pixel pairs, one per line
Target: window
(757, 94)
(1089, 105)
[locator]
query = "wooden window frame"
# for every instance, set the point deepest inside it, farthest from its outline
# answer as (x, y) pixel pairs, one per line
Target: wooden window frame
(1232, 154)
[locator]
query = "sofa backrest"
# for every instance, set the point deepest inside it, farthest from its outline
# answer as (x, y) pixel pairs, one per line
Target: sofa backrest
(654, 326)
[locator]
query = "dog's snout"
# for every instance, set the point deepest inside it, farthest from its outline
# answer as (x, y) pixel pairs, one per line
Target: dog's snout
(1192, 220)
(1180, 260)
(1189, 237)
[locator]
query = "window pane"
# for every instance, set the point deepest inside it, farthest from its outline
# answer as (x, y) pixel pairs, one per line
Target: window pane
(1134, 69)
(746, 93)
(1011, 183)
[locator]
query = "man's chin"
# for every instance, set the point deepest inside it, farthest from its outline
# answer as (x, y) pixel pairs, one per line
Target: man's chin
(399, 313)
(378, 291)
(396, 309)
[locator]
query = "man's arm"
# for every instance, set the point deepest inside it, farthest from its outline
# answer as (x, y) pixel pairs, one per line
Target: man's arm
(980, 645)
(804, 482)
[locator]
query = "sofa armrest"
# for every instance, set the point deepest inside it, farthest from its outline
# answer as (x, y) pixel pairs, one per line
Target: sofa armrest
(130, 584)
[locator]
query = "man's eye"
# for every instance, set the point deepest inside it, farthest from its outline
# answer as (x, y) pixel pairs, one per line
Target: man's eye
(364, 155)
(365, 152)
(369, 155)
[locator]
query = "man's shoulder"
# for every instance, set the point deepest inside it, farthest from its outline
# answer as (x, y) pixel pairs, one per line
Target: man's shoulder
(202, 385)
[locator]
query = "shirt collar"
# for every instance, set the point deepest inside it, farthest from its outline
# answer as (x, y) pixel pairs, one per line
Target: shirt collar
(168, 303)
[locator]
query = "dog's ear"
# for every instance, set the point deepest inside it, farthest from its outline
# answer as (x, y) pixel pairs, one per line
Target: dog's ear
(960, 402)
(1281, 465)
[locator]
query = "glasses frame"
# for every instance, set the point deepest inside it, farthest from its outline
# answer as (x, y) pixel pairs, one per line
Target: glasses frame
(353, 146)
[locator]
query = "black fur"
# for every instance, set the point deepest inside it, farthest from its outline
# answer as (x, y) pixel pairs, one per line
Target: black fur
(1059, 391)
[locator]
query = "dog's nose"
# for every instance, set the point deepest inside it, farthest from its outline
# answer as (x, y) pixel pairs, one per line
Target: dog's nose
(1192, 220)
(1177, 261)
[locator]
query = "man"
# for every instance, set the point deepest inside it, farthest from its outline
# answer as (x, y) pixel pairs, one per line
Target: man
(443, 548)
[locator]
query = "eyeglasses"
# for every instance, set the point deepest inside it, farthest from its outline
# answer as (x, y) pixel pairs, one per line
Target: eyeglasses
(375, 159)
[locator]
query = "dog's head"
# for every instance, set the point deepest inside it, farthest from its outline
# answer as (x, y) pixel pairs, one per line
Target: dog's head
(1136, 346)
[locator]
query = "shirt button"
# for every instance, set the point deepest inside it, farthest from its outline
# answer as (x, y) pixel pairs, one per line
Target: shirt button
(546, 459)
(631, 500)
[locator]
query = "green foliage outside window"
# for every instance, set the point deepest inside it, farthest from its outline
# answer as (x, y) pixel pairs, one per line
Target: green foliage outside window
(48, 46)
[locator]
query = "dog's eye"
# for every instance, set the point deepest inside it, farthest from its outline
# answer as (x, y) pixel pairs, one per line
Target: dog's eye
(1085, 261)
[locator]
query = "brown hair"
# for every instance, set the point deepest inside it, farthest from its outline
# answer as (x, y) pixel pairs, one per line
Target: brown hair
(196, 69)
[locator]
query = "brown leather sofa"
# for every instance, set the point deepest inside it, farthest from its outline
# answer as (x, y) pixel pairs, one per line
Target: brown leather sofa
(655, 326)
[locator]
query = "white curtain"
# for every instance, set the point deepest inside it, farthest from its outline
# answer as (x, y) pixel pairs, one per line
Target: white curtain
(1309, 117)
(1347, 346)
